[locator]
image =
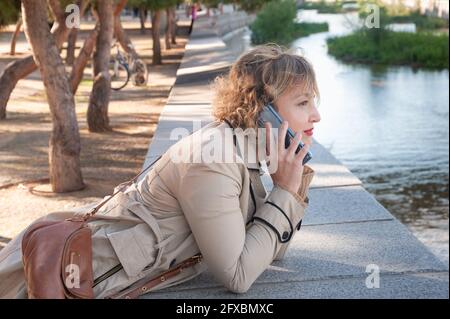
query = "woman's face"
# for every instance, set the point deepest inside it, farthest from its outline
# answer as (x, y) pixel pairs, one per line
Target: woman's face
(298, 107)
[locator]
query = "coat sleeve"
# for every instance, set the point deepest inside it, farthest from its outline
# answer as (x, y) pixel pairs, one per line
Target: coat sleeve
(302, 196)
(209, 197)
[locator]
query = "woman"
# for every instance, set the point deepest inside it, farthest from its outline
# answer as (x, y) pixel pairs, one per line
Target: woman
(189, 204)
(193, 16)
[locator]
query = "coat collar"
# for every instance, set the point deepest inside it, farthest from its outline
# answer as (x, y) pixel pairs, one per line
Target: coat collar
(246, 146)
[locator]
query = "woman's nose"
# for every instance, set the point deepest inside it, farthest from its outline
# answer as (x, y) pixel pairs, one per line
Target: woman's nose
(315, 116)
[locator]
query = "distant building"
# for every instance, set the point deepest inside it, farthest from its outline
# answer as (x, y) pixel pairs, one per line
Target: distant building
(436, 8)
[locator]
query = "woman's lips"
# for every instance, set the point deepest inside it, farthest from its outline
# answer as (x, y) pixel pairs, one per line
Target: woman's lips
(309, 132)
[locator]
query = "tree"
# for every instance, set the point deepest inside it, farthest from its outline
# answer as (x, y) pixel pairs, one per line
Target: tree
(174, 23)
(141, 6)
(97, 114)
(170, 17)
(76, 75)
(156, 7)
(211, 4)
(71, 42)
(9, 12)
(139, 76)
(64, 150)
(19, 69)
(156, 23)
(14, 36)
(251, 5)
(139, 68)
(275, 23)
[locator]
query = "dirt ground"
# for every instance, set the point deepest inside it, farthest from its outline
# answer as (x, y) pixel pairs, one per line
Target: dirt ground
(107, 159)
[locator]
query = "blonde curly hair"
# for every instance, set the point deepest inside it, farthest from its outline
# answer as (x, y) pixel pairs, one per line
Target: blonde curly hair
(258, 77)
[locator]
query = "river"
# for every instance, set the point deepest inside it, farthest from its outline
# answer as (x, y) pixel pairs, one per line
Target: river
(388, 125)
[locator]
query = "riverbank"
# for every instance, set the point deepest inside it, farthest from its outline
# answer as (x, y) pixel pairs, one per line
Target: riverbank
(397, 35)
(389, 126)
(418, 50)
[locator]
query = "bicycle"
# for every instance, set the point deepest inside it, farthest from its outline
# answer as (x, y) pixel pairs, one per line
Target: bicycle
(119, 70)
(123, 67)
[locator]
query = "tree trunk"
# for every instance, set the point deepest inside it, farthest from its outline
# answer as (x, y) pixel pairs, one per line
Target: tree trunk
(120, 34)
(124, 40)
(142, 18)
(71, 44)
(13, 72)
(119, 7)
(174, 26)
(81, 61)
(14, 37)
(72, 40)
(168, 30)
(97, 114)
(19, 69)
(64, 151)
(138, 68)
(156, 18)
(88, 47)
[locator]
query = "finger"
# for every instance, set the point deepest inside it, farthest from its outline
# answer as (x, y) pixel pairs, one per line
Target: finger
(301, 155)
(281, 137)
(268, 127)
(294, 144)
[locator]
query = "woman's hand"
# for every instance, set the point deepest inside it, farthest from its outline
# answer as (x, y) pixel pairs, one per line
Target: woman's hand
(289, 171)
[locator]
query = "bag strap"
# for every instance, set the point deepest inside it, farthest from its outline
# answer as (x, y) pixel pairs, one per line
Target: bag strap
(142, 288)
(124, 185)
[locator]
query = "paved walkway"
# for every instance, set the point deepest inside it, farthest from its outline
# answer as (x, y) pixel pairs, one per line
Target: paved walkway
(345, 230)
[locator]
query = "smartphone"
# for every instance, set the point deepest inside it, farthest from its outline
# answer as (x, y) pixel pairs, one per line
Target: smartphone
(268, 114)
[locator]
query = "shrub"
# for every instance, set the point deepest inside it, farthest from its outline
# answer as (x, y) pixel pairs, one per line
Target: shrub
(276, 23)
(394, 48)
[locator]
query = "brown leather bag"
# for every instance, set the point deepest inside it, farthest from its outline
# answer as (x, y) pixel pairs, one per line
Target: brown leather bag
(57, 257)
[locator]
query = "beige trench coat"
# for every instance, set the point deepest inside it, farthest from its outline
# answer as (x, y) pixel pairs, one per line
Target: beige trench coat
(179, 209)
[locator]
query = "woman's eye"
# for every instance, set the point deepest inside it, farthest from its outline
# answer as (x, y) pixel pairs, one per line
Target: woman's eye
(304, 103)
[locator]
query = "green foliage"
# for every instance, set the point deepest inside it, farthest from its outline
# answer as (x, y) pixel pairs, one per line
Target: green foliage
(304, 29)
(251, 5)
(395, 48)
(211, 3)
(275, 23)
(152, 4)
(374, 34)
(9, 11)
(422, 22)
(381, 46)
(398, 13)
